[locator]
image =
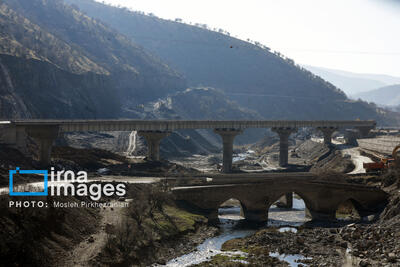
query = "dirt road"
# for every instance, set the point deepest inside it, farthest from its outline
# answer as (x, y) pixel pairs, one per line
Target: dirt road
(357, 159)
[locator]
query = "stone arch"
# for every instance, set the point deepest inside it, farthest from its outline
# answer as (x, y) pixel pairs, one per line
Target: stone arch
(350, 207)
(233, 200)
(307, 201)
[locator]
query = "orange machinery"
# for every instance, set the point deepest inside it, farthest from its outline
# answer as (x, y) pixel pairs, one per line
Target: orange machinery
(385, 163)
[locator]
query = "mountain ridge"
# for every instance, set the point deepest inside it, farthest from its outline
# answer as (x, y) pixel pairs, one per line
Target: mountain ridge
(385, 96)
(353, 83)
(249, 74)
(66, 64)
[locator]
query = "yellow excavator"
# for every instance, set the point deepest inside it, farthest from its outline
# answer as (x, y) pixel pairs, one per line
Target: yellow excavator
(384, 164)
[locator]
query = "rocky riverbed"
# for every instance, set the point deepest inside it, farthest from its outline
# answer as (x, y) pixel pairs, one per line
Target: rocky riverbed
(351, 245)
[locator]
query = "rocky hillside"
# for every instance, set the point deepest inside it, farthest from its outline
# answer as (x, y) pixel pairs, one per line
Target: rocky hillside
(204, 103)
(33, 88)
(199, 103)
(62, 63)
(252, 75)
(193, 103)
(58, 62)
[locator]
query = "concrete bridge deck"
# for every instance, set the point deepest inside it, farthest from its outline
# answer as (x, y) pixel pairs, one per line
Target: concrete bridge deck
(46, 131)
(257, 194)
(172, 125)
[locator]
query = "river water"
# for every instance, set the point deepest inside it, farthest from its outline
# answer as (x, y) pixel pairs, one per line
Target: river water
(284, 219)
(212, 246)
(242, 156)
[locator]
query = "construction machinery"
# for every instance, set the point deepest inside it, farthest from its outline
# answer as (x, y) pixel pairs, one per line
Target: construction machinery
(384, 164)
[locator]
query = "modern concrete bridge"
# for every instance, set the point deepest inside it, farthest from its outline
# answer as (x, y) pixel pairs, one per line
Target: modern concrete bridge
(46, 131)
(257, 192)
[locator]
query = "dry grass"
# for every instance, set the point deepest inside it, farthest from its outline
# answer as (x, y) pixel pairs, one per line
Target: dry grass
(150, 217)
(38, 236)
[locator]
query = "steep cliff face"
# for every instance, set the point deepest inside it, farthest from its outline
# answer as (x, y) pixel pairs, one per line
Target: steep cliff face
(23, 38)
(38, 89)
(136, 73)
(59, 63)
(11, 105)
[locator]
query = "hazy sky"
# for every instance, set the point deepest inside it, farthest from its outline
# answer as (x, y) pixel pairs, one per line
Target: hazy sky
(352, 35)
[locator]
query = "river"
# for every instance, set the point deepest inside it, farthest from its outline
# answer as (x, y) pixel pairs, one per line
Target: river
(284, 219)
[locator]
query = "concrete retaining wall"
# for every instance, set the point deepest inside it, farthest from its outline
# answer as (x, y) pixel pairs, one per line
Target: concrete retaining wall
(382, 144)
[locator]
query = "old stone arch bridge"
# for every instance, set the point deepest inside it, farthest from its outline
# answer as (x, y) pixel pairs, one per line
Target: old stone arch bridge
(257, 192)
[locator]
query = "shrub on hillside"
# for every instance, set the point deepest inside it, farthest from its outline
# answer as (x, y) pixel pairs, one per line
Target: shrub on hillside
(392, 176)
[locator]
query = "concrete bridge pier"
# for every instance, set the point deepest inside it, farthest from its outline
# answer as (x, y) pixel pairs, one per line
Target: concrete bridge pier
(284, 134)
(364, 131)
(14, 135)
(8, 134)
(327, 132)
(44, 135)
(351, 136)
(325, 216)
(21, 139)
(228, 136)
(153, 140)
(256, 216)
(286, 201)
(212, 216)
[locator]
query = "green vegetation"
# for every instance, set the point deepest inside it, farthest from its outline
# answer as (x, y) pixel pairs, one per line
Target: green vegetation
(177, 220)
